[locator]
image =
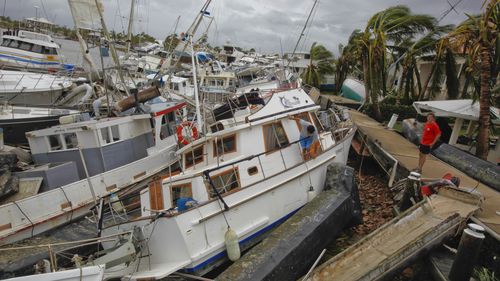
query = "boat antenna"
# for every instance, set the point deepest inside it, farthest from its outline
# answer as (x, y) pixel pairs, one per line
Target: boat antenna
(302, 32)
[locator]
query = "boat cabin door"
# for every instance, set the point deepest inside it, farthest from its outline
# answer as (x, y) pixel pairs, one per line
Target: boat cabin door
(164, 126)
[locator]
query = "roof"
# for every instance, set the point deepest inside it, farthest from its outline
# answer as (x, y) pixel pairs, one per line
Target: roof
(465, 109)
(40, 20)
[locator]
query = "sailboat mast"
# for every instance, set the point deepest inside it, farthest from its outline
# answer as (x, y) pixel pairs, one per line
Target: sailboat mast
(130, 24)
(111, 46)
(302, 32)
(195, 81)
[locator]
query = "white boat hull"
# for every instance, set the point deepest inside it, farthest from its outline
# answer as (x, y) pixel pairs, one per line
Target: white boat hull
(27, 88)
(34, 215)
(194, 241)
(88, 273)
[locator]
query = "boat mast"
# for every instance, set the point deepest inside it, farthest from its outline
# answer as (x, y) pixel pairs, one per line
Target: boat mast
(190, 32)
(111, 46)
(130, 23)
(302, 32)
(196, 98)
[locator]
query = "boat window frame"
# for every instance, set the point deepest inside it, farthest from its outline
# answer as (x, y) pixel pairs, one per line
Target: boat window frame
(59, 139)
(264, 135)
(63, 135)
(221, 140)
(224, 192)
(188, 185)
(194, 162)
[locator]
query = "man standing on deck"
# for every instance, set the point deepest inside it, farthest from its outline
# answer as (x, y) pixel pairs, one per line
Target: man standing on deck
(430, 136)
(308, 136)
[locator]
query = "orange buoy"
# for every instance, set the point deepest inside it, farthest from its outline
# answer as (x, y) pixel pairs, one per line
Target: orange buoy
(189, 127)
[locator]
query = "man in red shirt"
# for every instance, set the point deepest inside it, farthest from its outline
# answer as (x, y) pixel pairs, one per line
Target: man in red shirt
(430, 136)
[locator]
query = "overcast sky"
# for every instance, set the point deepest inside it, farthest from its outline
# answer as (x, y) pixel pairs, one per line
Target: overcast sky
(248, 23)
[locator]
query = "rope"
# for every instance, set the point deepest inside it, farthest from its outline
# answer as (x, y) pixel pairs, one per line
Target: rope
(22, 212)
(69, 202)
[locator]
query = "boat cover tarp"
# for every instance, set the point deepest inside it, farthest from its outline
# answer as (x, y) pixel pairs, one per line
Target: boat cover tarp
(292, 248)
(481, 170)
(465, 109)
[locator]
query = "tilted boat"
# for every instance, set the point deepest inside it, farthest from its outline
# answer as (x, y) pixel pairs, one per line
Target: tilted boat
(17, 120)
(106, 155)
(31, 50)
(249, 174)
(27, 88)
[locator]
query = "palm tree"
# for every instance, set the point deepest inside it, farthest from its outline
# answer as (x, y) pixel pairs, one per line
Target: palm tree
(392, 25)
(479, 35)
(409, 51)
(311, 75)
(349, 59)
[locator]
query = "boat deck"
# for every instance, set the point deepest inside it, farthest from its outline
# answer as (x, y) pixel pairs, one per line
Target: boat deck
(406, 153)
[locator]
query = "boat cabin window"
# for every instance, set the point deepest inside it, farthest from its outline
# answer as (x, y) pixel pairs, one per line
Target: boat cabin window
(274, 136)
(55, 143)
(37, 49)
(25, 46)
(110, 134)
(49, 51)
(224, 182)
(175, 86)
(225, 145)
(193, 156)
(5, 42)
(166, 127)
(14, 44)
(217, 127)
(70, 140)
(180, 191)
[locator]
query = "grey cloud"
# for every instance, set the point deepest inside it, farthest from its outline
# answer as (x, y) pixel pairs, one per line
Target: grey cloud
(252, 23)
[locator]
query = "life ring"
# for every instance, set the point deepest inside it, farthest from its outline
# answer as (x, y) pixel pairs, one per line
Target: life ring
(188, 126)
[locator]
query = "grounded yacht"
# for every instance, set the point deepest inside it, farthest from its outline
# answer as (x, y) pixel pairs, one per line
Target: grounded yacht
(85, 161)
(249, 174)
(26, 49)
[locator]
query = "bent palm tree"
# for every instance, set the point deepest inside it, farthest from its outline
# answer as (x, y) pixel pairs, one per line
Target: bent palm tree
(479, 35)
(391, 25)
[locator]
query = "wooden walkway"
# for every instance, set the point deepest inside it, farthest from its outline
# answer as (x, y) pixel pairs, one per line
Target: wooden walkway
(406, 153)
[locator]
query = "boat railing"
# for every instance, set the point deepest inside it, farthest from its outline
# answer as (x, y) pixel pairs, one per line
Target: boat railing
(50, 81)
(67, 250)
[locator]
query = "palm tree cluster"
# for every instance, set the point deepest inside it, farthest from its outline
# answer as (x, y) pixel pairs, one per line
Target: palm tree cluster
(387, 53)
(321, 63)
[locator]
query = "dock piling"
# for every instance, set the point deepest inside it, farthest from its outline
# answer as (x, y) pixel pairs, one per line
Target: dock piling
(468, 252)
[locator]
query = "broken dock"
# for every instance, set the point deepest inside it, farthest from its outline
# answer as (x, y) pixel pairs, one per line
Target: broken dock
(398, 156)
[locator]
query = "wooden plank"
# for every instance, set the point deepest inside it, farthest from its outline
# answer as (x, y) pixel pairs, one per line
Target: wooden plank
(139, 175)
(5, 226)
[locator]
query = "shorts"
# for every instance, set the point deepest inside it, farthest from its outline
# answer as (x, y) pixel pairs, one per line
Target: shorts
(425, 149)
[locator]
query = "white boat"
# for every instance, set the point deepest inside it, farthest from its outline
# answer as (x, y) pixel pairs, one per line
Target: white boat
(27, 88)
(249, 174)
(88, 273)
(26, 49)
(17, 120)
(104, 155)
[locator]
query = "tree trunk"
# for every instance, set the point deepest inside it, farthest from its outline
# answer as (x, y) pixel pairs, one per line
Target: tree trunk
(427, 81)
(484, 105)
(399, 92)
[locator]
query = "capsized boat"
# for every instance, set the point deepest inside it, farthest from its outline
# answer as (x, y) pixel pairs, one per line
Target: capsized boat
(353, 89)
(106, 155)
(245, 177)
